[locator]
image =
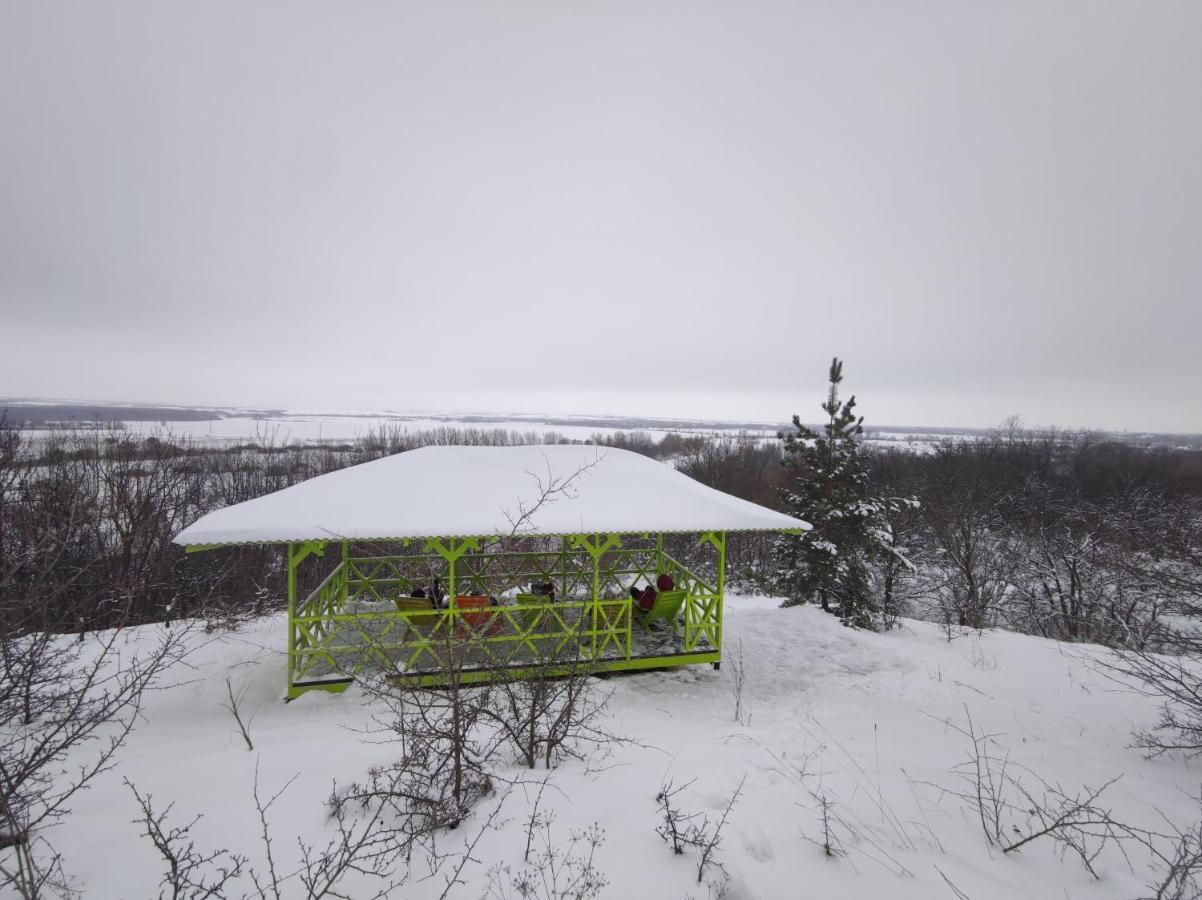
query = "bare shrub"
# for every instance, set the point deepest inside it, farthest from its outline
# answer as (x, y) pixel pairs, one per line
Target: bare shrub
(1178, 866)
(63, 695)
(554, 873)
(550, 712)
(189, 872)
(234, 705)
(841, 831)
(1016, 807)
(443, 749)
(738, 672)
(680, 830)
(367, 846)
(976, 560)
(828, 841)
(1164, 661)
(677, 825)
(536, 818)
(1175, 680)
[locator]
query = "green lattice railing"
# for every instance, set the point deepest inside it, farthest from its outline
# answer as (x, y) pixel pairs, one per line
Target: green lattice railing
(350, 621)
(426, 642)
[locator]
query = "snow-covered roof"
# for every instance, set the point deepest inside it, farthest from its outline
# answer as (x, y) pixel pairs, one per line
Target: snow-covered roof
(475, 491)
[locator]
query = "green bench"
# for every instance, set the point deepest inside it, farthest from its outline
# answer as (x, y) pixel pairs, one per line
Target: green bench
(666, 607)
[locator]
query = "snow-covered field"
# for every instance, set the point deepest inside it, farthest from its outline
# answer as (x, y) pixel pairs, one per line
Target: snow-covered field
(849, 715)
(310, 427)
(233, 426)
(238, 426)
(336, 428)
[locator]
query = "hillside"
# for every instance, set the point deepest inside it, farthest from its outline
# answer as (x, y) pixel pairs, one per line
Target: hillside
(849, 716)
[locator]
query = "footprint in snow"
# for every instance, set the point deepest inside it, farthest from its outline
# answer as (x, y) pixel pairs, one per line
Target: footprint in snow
(757, 843)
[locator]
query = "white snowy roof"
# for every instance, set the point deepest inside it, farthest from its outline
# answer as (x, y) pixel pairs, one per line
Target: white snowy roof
(476, 491)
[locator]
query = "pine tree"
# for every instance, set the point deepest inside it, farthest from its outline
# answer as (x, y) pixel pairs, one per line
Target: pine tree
(828, 487)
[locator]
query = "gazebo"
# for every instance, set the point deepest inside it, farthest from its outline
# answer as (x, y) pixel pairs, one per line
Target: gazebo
(529, 557)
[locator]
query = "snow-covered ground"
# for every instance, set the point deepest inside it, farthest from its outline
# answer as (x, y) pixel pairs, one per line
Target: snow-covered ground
(851, 715)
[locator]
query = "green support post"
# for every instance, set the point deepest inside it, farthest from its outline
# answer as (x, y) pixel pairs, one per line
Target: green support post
(720, 546)
(291, 615)
(346, 575)
(716, 539)
(297, 553)
(563, 567)
(450, 552)
(596, 548)
(629, 629)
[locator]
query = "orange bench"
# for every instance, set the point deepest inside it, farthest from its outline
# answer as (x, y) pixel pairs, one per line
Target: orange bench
(483, 619)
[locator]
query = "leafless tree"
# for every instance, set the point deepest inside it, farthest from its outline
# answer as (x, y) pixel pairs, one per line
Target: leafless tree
(973, 561)
(896, 571)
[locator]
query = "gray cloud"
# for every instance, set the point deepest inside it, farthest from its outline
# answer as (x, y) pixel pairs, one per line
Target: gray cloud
(649, 208)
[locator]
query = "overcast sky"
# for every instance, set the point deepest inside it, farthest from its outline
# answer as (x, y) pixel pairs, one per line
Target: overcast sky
(678, 209)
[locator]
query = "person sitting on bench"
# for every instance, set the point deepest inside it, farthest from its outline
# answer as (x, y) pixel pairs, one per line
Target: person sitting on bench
(543, 589)
(651, 604)
(644, 598)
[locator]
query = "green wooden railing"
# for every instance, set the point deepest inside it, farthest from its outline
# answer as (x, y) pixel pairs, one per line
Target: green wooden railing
(350, 623)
